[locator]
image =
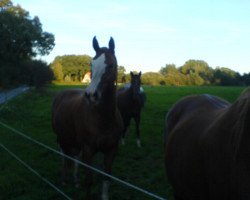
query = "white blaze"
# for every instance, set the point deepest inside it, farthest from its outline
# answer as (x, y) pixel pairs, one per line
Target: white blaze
(98, 69)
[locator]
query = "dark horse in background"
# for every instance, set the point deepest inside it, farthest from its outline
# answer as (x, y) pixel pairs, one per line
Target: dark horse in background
(88, 121)
(131, 99)
(208, 148)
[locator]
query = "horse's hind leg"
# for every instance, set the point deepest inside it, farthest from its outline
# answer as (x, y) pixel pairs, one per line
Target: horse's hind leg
(67, 164)
(87, 158)
(137, 126)
(125, 130)
(76, 171)
(176, 197)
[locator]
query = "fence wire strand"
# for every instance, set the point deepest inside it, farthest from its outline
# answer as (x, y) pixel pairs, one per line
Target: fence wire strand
(84, 164)
(35, 172)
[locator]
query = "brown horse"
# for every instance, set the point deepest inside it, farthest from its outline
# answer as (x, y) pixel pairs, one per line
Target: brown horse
(208, 148)
(88, 121)
(131, 100)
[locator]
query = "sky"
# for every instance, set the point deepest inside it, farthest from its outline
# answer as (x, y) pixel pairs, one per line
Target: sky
(149, 34)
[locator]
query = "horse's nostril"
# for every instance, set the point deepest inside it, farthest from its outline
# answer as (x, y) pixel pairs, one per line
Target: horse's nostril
(87, 94)
(95, 95)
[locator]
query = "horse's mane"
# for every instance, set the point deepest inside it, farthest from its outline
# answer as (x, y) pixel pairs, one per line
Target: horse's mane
(239, 111)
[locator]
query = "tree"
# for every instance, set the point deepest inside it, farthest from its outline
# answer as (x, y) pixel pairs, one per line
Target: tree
(226, 76)
(246, 79)
(5, 4)
(74, 67)
(153, 78)
(41, 73)
(198, 69)
(176, 78)
(57, 69)
(169, 68)
(22, 38)
(121, 77)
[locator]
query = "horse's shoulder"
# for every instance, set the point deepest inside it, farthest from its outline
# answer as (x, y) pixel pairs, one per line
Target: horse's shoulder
(69, 99)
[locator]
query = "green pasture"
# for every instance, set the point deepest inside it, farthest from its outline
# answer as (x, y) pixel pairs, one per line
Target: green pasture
(30, 113)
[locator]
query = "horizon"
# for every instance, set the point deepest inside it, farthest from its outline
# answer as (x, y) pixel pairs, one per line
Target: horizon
(150, 34)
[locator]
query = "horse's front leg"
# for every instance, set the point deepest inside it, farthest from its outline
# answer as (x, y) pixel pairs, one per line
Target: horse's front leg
(137, 126)
(87, 158)
(126, 122)
(108, 161)
(66, 168)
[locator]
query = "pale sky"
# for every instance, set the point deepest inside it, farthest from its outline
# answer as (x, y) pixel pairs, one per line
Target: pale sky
(149, 34)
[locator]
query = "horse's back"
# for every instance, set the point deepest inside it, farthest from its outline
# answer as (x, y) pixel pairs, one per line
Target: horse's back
(193, 106)
(193, 114)
(125, 100)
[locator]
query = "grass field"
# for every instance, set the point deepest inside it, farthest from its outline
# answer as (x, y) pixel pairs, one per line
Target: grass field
(143, 167)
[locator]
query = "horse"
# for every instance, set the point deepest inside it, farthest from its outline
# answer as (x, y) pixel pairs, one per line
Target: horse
(131, 99)
(207, 148)
(88, 121)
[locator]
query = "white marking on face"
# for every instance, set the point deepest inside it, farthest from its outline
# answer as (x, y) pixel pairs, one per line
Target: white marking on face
(98, 69)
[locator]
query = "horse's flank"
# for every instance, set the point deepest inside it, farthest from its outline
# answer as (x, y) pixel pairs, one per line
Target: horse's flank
(208, 148)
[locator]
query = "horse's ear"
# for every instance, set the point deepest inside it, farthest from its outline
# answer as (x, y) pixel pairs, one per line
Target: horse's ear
(131, 74)
(139, 73)
(95, 44)
(112, 45)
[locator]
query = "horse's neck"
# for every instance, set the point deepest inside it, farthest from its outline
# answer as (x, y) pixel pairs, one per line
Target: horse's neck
(108, 105)
(131, 90)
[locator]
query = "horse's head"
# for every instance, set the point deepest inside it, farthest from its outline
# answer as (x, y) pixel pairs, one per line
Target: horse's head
(103, 71)
(135, 83)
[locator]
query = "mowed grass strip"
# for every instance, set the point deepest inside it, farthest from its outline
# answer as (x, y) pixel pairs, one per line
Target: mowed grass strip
(30, 113)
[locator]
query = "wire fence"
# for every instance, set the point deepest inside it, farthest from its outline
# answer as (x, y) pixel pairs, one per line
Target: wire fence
(150, 194)
(35, 172)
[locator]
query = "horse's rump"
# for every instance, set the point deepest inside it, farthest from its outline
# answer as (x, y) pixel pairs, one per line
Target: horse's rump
(193, 107)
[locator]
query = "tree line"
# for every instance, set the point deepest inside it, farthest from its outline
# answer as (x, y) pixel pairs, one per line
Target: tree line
(22, 39)
(70, 68)
(198, 72)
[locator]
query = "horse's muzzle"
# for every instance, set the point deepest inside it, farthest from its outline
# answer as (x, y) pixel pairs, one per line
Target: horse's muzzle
(92, 97)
